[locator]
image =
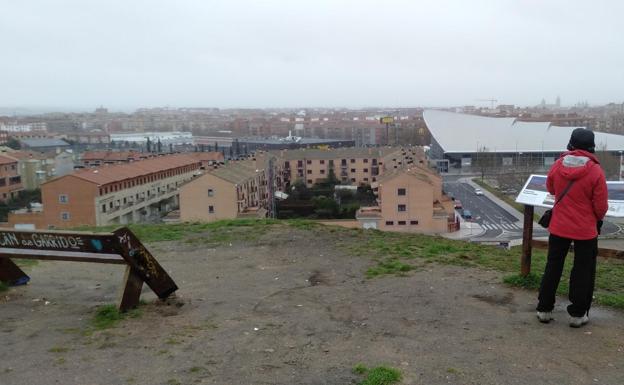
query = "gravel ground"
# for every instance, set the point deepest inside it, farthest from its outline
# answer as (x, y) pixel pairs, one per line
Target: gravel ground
(294, 308)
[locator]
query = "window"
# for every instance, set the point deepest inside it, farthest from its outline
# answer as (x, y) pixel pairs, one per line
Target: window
(322, 161)
(210, 209)
(308, 161)
(299, 163)
(401, 191)
(352, 160)
(401, 223)
(353, 180)
(110, 205)
(352, 170)
(365, 160)
(103, 208)
(309, 172)
(413, 222)
(64, 216)
(401, 208)
(365, 170)
(389, 223)
(322, 171)
(210, 192)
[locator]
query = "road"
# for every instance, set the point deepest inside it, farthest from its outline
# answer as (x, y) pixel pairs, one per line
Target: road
(496, 221)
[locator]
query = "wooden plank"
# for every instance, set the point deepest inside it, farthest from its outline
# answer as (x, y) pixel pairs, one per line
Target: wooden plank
(11, 273)
(49, 255)
(143, 263)
(131, 293)
(527, 237)
(602, 252)
(57, 241)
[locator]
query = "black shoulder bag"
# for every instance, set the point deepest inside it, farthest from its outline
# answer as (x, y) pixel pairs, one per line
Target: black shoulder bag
(544, 221)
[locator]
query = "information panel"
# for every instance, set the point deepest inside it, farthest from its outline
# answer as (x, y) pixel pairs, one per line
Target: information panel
(535, 193)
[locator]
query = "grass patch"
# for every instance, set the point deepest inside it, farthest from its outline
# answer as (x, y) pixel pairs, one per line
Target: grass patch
(26, 262)
(393, 251)
(3, 286)
(178, 231)
(388, 266)
(58, 349)
(108, 316)
(531, 281)
(380, 375)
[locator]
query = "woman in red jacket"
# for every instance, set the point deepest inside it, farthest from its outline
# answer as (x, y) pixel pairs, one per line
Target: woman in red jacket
(576, 218)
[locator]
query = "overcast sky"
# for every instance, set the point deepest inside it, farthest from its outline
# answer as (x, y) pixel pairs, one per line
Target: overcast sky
(125, 54)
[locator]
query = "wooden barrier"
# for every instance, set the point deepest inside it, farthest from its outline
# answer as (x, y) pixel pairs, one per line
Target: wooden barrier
(120, 247)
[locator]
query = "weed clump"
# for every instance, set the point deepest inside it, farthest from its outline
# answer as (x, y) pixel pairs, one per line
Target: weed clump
(107, 316)
(380, 375)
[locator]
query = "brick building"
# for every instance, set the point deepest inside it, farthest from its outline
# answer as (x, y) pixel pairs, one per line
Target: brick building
(10, 180)
(115, 194)
(353, 165)
(409, 199)
(237, 190)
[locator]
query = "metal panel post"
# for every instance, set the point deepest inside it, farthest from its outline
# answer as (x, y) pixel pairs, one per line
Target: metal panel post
(527, 238)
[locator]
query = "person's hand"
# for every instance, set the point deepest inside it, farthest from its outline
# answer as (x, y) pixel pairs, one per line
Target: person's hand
(599, 226)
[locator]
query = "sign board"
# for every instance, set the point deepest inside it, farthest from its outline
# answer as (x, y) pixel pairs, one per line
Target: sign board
(386, 120)
(118, 247)
(535, 193)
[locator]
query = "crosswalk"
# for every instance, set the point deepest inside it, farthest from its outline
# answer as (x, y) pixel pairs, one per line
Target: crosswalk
(500, 226)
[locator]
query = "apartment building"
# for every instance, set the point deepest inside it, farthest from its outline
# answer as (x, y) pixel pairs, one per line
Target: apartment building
(355, 165)
(36, 167)
(410, 199)
(115, 194)
(10, 180)
(237, 190)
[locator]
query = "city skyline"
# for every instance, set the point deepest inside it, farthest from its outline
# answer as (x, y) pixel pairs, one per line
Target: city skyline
(72, 55)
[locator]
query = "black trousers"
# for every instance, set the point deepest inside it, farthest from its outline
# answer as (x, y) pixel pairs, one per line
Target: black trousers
(582, 277)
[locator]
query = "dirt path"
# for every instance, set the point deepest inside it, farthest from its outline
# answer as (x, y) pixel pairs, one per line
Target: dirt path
(288, 309)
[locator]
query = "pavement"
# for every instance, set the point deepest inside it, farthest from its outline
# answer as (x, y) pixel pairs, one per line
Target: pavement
(472, 230)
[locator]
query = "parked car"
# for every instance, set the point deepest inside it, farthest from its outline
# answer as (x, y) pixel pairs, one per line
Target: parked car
(466, 214)
(458, 204)
(478, 191)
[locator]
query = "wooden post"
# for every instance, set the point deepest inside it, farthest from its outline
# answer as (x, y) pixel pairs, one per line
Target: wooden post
(133, 284)
(11, 274)
(527, 238)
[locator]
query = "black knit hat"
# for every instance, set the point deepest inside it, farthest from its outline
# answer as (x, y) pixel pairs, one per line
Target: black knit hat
(582, 139)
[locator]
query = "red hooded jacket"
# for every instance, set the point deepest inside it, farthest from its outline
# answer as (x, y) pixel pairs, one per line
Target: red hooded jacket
(585, 203)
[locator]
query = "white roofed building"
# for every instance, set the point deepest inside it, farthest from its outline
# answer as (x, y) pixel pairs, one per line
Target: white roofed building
(458, 138)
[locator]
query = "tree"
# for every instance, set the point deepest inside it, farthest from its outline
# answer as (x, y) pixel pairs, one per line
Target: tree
(485, 161)
(13, 143)
(159, 146)
(149, 145)
(610, 163)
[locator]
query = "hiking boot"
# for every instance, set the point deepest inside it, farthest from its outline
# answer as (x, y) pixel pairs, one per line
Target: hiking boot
(544, 316)
(577, 322)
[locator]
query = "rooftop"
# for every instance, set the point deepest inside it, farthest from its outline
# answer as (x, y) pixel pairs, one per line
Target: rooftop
(118, 172)
(463, 133)
(236, 172)
(346, 152)
(44, 142)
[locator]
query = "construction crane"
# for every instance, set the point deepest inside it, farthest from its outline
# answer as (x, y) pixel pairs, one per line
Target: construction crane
(492, 101)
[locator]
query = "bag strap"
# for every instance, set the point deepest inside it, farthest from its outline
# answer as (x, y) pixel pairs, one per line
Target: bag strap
(563, 194)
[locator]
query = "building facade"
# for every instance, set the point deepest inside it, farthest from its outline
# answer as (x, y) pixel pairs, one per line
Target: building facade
(237, 190)
(116, 194)
(10, 179)
(410, 199)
